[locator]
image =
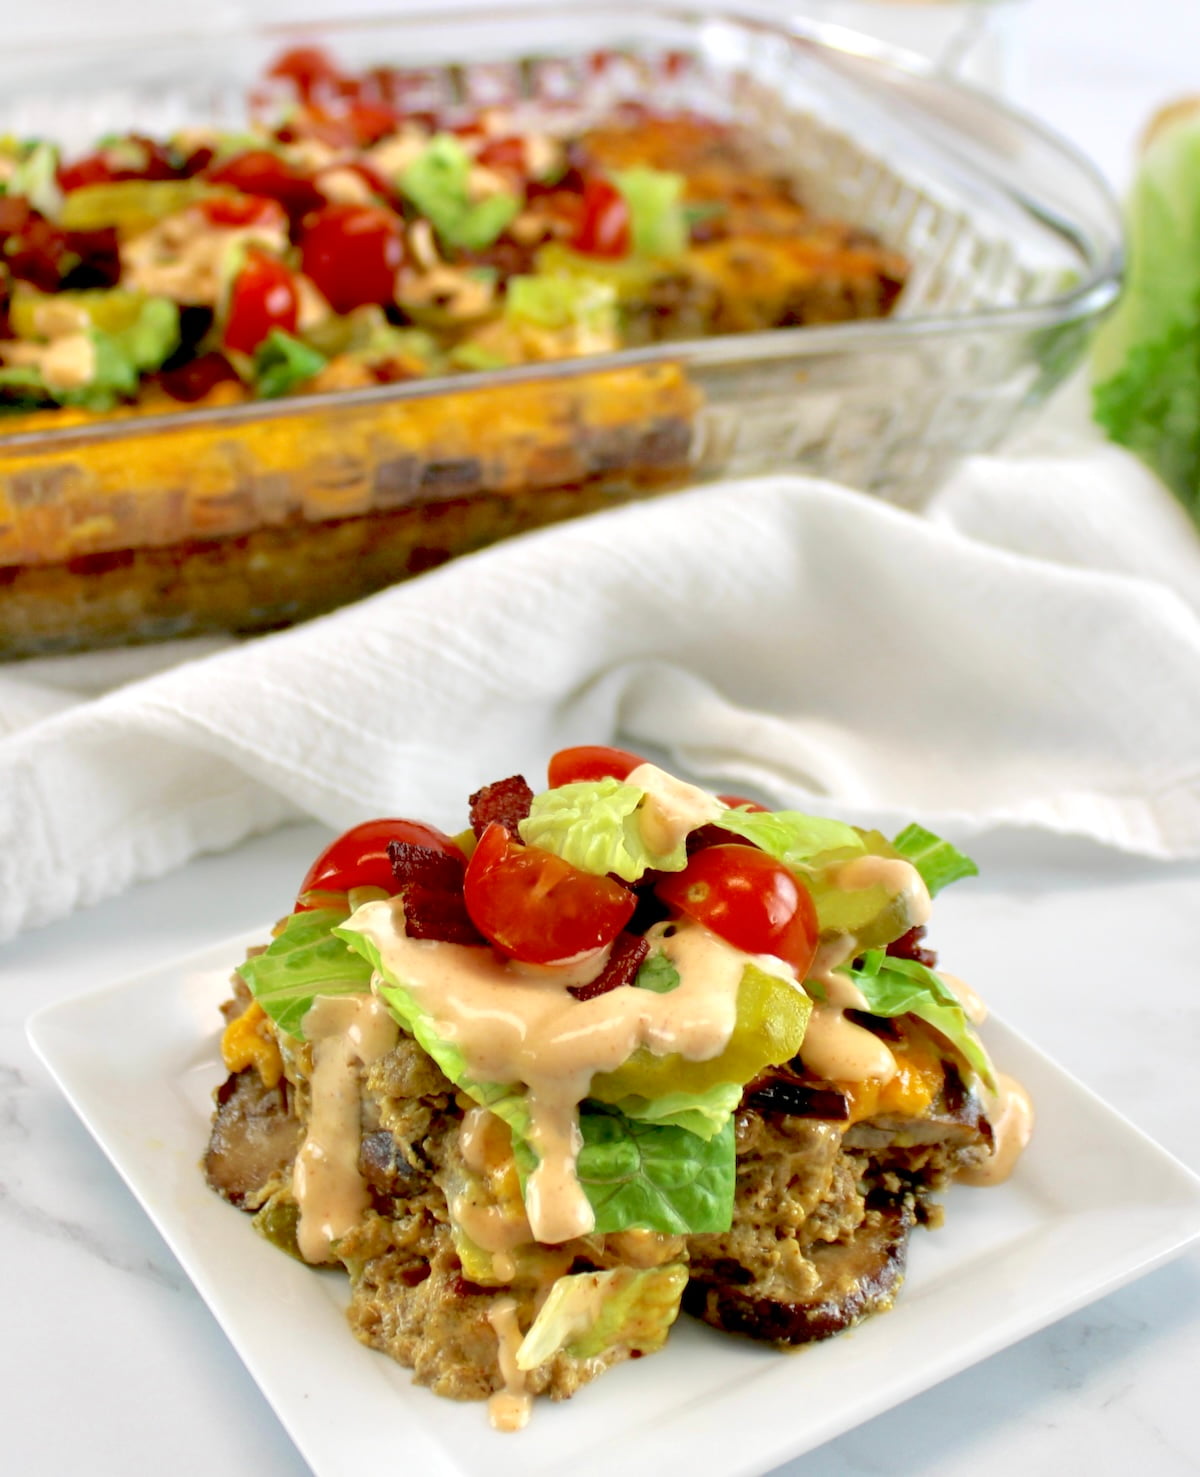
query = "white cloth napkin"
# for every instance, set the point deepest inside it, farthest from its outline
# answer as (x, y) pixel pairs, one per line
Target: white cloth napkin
(1025, 655)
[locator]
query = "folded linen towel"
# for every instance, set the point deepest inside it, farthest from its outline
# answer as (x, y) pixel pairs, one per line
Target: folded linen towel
(1026, 655)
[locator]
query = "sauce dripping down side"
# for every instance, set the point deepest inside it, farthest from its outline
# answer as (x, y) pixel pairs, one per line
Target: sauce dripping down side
(346, 1032)
(509, 1408)
(834, 1047)
(1011, 1115)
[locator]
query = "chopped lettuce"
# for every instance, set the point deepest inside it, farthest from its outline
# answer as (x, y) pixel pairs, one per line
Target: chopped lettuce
(658, 225)
(282, 362)
(595, 825)
(936, 860)
(152, 336)
(791, 837)
(641, 1176)
(1147, 357)
(590, 1313)
(702, 1113)
(905, 987)
(418, 1022)
(306, 960)
(557, 303)
(657, 974)
(36, 178)
(438, 184)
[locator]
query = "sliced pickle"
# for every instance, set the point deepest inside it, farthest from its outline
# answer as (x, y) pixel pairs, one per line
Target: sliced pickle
(873, 915)
(131, 205)
(278, 1221)
(772, 1016)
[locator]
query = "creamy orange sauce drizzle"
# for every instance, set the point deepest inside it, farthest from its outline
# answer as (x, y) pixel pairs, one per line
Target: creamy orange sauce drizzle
(508, 1409)
(518, 1029)
(671, 808)
(973, 1007)
(346, 1032)
(1011, 1117)
(894, 875)
(486, 1147)
(834, 1047)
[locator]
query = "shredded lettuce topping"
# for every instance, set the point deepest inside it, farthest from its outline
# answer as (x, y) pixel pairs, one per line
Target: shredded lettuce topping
(304, 961)
(657, 222)
(595, 825)
(588, 1313)
(438, 184)
(282, 362)
(906, 987)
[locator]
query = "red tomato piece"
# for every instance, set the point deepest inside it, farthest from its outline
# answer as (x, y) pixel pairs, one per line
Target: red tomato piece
(505, 154)
(590, 762)
(353, 253)
(264, 297)
(750, 900)
(259, 172)
(537, 908)
(359, 858)
(604, 229)
(241, 210)
(308, 68)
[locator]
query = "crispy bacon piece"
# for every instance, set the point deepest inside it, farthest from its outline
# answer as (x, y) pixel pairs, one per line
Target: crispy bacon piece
(437, 913)
(909, 946)
(439, 870)
(506, 801)
(628, 953)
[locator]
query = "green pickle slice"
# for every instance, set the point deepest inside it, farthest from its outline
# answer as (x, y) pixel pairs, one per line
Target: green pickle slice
(772, 1016)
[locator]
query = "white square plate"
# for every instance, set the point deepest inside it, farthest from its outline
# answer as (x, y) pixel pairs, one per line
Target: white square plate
(1093, 1205)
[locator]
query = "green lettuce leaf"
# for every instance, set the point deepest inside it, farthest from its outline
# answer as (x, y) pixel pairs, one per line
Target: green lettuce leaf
(1147, 356)
(557, 303)
(938, 862)
(437, 183)
(306, 960)
(658, 225)
(153, 336)
(282, 362)
(657, 974)
(36, 178)
(647, 1176)
(791, 837)
(703, 1113)
(594, 825)
(905, 987)
(591, 1313)
(419, 1023)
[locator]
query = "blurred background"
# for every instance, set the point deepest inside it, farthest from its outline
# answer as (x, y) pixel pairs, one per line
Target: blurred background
(1091, 68)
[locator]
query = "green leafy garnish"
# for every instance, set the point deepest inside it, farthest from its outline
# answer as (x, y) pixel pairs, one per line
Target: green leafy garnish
(590, 1313)
(790, 836)
(556, 303)
(649, 1176)
(282, 362)
(703, 1113)
(657, 974)
(153, 335)
(658, 225)
(1147, 357)
(595, 825)
(306, 960)
(437, 182)
(938, 862)
(905, 987)
(36, 178)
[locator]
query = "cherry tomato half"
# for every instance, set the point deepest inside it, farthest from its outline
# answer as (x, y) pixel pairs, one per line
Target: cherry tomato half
(263, 297)
(242, 210)
(352, 253)
(259, 172)
(605, 227)
(360, 859)
(537, 908)
(750, 900)
(590, 762)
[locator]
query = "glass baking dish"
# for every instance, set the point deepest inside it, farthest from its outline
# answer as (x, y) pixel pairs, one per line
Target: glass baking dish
(142, 527)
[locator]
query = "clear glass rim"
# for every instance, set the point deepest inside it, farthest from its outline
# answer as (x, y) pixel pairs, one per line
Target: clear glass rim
(1087, 298)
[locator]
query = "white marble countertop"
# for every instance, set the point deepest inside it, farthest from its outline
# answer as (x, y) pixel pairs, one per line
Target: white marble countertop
(113, 1365)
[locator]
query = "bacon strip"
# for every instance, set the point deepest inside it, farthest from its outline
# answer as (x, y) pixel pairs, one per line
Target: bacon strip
(506, 801)
(411, 862)
(628, 953)
(909, 946)
(435, 913)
